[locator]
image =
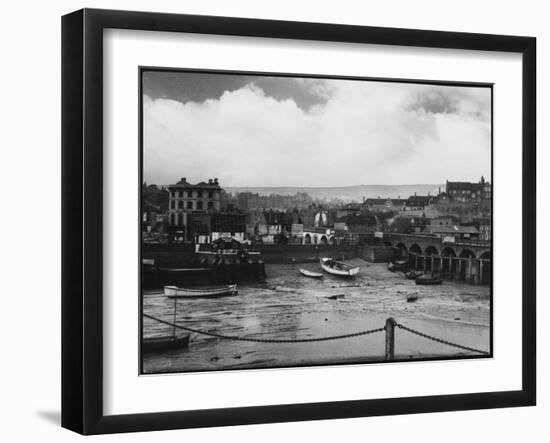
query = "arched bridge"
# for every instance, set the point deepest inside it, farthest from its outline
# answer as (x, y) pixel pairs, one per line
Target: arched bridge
(468, 260)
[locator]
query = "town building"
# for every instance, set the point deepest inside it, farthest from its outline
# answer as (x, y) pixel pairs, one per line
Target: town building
(188, 205)
(186, 198)
(385, 204)
(453, 233)
(468, 192)
(418, 202)
(443, 220)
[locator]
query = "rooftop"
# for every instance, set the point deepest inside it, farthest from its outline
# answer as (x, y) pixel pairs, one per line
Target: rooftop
(454, 229)
(184, 184)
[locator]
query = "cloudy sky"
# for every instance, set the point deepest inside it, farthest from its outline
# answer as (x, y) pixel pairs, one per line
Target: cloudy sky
(277, 131)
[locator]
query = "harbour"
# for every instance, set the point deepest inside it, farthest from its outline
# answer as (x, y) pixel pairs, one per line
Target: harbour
(288, 305)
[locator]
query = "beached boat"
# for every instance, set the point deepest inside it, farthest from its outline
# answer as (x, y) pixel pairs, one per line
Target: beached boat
(201, 291)
(398, 265)
(412, 297)
(427, 280)
(338, 268)
(413, 275)
(310, 274)
(164, 343)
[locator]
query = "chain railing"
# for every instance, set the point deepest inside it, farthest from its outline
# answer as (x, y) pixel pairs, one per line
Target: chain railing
(389, 328)
(440, 340)
(267, 340)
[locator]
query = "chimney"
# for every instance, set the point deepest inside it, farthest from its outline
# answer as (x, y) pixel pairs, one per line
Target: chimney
(183, 179)
(209, 181)
(216, 181)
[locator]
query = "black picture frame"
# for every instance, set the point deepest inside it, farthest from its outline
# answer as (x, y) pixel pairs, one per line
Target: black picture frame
(82, 219)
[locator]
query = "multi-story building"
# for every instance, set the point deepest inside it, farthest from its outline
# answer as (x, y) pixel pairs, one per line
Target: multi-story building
(186, 199)
(418, 202)
(467, 192)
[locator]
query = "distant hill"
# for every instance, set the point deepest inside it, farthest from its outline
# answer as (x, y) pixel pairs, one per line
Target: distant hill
(346, 193)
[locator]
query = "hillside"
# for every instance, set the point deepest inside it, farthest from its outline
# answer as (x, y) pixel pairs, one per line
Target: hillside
(346, 193)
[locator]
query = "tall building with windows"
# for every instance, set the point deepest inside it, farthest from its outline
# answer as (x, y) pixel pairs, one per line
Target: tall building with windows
(467, 192)
(186, 198)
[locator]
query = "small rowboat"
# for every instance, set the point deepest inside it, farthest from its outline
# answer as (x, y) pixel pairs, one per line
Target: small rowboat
(338, 268)
(212, 291)
(164, 343)
(413, 275)
(426, 280)
(310, 274)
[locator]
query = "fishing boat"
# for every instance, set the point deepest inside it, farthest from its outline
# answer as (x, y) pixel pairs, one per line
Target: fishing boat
(427, 280)
(202, 291)
(412, 297)
(413, 275)
(398, 265)
(310, 274)
(338, 268)
(164, 343)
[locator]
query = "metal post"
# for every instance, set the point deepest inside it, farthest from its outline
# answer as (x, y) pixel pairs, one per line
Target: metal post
(390, 339)
(174, 327)
(481, 271)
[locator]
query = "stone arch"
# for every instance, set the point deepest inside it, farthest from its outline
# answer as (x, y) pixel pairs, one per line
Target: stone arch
(331, 240)
(485, 255)
(416, 259)
(465, 267)
(323, 240)
(467, 253)
(485, 268)
(307, 239)
(402, 246)
(401, 251)
(431, 250)
(448, 262)
(431, 263)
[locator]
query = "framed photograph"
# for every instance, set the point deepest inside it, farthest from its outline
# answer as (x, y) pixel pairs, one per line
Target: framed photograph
(269, 221)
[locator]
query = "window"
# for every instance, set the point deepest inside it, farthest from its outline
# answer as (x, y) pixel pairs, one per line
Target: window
(199, 205)
(210, 194)
(172, 204)
(180, 205)
(199, 193)
(189, 205)
(210, 205)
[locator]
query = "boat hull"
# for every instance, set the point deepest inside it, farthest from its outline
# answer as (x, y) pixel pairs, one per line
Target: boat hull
(310, 274)
(428, 281)
(164, 343)
(219, 291)
(413, 275)
(338, 268)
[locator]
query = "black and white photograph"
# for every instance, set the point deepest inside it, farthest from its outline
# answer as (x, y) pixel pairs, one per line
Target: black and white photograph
(294, 221)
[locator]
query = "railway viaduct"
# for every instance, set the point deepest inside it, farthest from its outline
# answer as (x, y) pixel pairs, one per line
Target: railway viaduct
(467, 260)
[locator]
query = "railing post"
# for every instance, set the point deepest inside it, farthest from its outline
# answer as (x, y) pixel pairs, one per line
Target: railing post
(390, 339)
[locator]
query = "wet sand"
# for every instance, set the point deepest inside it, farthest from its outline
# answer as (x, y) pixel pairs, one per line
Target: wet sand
(289, 306)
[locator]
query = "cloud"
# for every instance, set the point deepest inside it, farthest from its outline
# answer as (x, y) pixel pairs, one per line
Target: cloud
(451, 100)
(356, 133)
